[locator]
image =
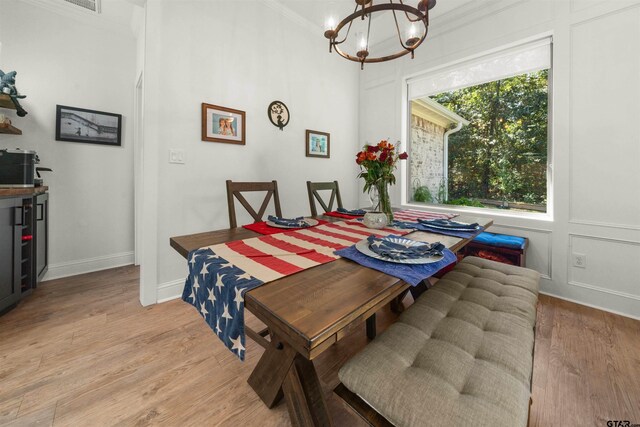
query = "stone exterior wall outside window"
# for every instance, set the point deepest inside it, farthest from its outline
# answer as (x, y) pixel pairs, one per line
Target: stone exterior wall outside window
(427, 155)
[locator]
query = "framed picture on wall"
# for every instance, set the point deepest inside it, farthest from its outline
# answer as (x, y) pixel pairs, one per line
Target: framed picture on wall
(221, 124)
(318, 144)
(90, 126)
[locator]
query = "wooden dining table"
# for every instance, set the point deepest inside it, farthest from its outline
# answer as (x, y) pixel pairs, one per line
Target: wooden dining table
(307, 312)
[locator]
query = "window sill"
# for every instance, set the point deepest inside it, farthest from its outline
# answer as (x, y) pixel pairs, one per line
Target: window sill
(466, 210)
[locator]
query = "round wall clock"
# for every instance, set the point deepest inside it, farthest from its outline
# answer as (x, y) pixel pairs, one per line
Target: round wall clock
(278, 114)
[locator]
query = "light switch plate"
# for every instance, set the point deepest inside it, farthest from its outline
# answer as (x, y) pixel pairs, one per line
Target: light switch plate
(176, 156)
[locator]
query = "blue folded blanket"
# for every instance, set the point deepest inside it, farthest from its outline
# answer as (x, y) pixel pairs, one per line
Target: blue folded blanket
(387, 248)
(289, 222)
(501, 240)
(355, 212)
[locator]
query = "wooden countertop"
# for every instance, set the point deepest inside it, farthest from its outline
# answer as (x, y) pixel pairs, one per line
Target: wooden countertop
(30, 191)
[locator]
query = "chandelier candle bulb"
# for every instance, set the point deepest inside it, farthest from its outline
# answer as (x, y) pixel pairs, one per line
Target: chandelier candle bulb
(363, 43)
(329, 27)
(330, 23)
(412, 35)
(361, 46)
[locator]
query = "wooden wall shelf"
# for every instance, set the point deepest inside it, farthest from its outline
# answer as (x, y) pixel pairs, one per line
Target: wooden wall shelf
(9, 129)
(6, 102)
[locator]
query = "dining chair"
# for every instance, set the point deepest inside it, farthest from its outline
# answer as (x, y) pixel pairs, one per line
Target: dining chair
(314, 187)
(235, 190)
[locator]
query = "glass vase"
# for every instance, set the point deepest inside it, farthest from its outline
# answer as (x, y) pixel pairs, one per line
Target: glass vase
(384, 202)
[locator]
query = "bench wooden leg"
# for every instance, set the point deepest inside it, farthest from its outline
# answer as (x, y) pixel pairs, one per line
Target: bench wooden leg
(362, 408)
(270, 372)
(304, 396)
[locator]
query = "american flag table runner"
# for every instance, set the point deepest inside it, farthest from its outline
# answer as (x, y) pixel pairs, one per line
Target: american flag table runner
(220, 275)
(415, 215)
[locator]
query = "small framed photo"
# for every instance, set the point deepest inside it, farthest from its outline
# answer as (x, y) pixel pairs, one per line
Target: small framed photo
(90, 126)
(318, 144)
(221, 124)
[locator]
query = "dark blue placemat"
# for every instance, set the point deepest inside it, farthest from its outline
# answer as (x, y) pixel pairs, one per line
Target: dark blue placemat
(413, 274)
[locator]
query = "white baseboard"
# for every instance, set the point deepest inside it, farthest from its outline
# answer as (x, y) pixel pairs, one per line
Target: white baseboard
(170, 290)
(88, 265)
(597, 307)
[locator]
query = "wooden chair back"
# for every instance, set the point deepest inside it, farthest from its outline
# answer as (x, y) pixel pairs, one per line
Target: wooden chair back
(314, 187)
(235, 190)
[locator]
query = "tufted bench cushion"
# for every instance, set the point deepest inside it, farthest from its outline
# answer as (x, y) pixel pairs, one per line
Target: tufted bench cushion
(461, 355)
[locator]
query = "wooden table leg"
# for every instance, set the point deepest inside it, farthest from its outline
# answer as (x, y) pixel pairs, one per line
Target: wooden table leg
(270, 372)
(304, 396)
(416, 291)
(396, 304)
(371, 327)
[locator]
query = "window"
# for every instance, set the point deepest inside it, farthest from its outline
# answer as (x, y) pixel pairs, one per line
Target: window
(479, 134)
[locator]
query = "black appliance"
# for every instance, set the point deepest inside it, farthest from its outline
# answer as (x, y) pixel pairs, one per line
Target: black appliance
(18, 168)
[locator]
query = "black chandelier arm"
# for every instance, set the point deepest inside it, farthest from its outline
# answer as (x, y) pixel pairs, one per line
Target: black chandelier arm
(424, 18)
(402, 43)
(395, 19)
(378, 8)
(368, 31)
(335, 42)
(370, 59)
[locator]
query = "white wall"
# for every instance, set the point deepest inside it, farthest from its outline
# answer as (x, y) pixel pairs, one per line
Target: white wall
(243, 56)
(596, 144)
(61, 60)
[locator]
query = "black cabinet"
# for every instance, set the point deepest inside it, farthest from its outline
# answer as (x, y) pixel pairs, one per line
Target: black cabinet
(11, 216)
(41, 236)
(24, 246)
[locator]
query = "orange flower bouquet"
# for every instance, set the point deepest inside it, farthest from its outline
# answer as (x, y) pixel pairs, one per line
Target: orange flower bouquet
(377, 164)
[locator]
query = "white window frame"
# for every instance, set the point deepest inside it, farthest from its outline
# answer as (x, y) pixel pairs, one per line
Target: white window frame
(406, 138)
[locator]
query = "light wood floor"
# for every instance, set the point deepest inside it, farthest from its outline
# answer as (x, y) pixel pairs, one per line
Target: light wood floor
(81, 351)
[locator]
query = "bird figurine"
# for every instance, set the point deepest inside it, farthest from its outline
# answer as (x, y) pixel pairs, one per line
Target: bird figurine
(8, 87)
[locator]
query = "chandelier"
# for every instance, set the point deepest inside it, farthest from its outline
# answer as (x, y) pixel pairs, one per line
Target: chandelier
(413, 37)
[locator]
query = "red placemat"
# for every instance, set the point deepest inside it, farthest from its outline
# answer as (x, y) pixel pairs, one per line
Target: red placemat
(263, 228)
(341, 215)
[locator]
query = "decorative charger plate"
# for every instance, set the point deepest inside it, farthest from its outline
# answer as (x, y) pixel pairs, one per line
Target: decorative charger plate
(309, 221)
(363, 247)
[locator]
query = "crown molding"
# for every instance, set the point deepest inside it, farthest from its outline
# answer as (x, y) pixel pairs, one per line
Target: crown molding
(442, 24)
(459, 17)
(93, 19)
(295, 17)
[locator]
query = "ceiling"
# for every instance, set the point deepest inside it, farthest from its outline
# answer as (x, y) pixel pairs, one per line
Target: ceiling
(116, 15)
(317, 11)
(382, 27)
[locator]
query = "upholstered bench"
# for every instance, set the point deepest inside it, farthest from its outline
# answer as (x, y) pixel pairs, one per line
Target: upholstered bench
(461, 355)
